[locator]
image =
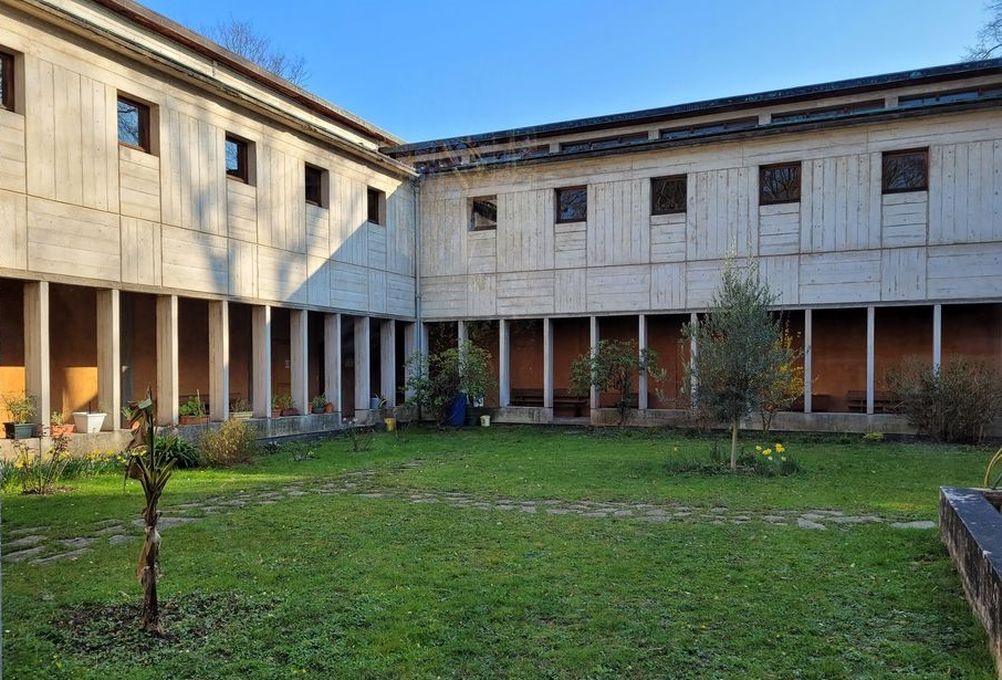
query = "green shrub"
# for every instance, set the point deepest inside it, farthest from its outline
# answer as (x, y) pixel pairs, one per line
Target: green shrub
(38, 472)
(953, 404)
(234, 442)
(873, 437)
(172, 445)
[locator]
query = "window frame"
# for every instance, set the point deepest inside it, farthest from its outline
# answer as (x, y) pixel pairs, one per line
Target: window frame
(556, 204)
(684, 179)
(884, 189)
(7, 64)
(380, 206)
(472, 209)
(321, 201)
(243, 158)
(762, 169)
(145, 113)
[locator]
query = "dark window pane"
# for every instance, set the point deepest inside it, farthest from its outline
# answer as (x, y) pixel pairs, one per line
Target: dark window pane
(779, 184)
(6, 81)
(604, 142)
(314, 185)
(484, 214)
(132, 124)
(668, 195)
(236, 158)
(715, 128)
(375, 202)
(572, 204)
(905, 171)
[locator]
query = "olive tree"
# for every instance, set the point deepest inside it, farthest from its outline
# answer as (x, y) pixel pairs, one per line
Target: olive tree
(740, 352)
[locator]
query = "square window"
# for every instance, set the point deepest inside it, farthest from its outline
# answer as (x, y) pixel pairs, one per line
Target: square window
(7, 81)
(133, 124)
(316, 179)
(572, 204)
(484, 213)
(779, 183)
(668, 195)
(905, 171)
(376, 201)
(237, 158)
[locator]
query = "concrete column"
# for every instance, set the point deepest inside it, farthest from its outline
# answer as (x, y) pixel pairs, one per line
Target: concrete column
(261, 361)
(332, 360)
(693, 351)
(870, 338)
(424, 346)
(937, 337)
(504, 363)
(219, 360)
(109, 358)
(548, 363)
(388, 361)
(411, 339)
(167, 360)
(462, 333)
(299, 364)
(808, 359)
(593, 344)
(642, 377)
(362, 389)
(37, 375)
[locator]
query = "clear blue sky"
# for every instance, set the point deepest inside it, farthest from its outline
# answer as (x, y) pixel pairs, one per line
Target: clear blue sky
(426, 69)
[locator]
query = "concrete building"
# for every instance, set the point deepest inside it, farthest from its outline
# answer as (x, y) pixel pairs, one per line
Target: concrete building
(174, 216)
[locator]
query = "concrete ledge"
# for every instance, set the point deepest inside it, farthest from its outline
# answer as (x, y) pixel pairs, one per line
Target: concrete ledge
(521, 415)
(785, 421)
(270, 428)
(971, 528)
(80, 444)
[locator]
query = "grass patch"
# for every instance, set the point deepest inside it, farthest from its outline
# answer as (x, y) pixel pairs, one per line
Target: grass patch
(345, 586)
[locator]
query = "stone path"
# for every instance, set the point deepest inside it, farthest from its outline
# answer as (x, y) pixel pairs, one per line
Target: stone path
(32, 544)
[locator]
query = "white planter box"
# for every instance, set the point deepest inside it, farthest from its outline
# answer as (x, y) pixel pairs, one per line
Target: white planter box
(88, 423)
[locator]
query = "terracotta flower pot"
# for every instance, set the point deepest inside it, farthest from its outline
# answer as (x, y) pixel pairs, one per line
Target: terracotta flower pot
(290, 412)
(193, 420)
(328, 408)
(65, 428)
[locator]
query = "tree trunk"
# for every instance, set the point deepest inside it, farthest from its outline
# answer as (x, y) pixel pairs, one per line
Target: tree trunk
(148, 578)
(734, 444)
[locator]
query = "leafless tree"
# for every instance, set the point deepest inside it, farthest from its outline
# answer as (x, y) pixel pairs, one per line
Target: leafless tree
(989, 43)
(241, 37)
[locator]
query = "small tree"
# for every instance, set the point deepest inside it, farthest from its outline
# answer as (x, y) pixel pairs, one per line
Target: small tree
(612, 368)
(435, 381)
(787, 384)
(739, 350)
(153, 469)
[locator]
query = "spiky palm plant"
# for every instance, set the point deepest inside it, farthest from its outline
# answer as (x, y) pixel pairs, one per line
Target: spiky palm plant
(153, 470)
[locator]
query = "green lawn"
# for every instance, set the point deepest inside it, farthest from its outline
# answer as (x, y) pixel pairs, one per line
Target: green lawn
(344, 585)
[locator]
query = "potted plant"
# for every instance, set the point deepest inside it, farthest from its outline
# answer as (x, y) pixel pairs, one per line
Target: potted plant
(21, 409)
(443, 383)
(241, 409)
(192, 411)
(283, 405)
(58, 426)
(87, 422)
(388, 414)
(318, 404)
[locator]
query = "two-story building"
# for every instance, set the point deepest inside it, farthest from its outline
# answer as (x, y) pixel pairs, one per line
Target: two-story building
(172, 215)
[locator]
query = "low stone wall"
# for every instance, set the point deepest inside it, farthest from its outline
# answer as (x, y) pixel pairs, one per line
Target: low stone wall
(276, 428)
(971, 528)
(80, 444)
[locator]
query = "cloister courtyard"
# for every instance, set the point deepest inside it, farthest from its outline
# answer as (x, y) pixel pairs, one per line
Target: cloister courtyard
(505, 552)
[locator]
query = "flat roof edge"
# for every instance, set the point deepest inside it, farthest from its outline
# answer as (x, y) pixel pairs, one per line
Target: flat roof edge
(708, 106)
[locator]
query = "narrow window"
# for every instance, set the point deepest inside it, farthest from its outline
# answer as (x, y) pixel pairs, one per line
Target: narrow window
(484, 213)
(779, 183)
(237, 158)
(7, 81)
(377, 206)
(315, 181)
(572, 204)
(905, 171)
(133, 124)
(668, 195)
